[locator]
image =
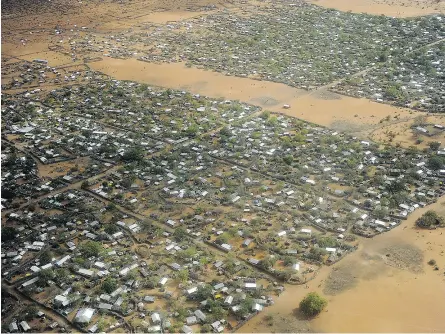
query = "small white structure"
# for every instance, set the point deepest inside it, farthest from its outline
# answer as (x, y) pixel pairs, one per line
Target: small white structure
(155, 318)
(84, 315)
(25, 326)
(250, 285)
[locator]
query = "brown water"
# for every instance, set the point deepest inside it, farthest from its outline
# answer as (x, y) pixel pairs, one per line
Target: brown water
(395, 8)
(319, 107)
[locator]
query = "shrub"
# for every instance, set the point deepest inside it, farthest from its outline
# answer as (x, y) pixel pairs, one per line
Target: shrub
(434, 146)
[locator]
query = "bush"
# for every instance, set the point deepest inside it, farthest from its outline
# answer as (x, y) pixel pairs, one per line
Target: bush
(432, 262)
(312, 304)
(8, 233)
(327, 241)
(134, 154)
(180, 233)
(111, 228)
(109, 285)
(430, 219)
(434, 146)
(46, 257)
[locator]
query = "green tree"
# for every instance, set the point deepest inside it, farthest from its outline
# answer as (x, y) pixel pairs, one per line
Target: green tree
(380, 212)
(317, 253)
(61, 275)
(134, 154)
(183, 275)
(435, 162)
(192, 130)
(45, 275)
(289, 260)
(265, 114)
(111, 228)
(225, 132)
(46, 257)
(434, 146)
(288, 159)
(312, 304)
(206, 328)
(8, 233)
(327, 241)
(30, 311)
(430, 219)
(223, 238)
(267, 262)
(91, 248)
(204, 292)
(188, 253)
(180, 233)
(245, 307)
(109, 285)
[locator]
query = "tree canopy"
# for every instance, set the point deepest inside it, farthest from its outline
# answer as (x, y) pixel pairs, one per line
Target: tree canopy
(312, 304)
(109, 285)
(91, 248)
(8, 233)
(435, 162)
(430, 219)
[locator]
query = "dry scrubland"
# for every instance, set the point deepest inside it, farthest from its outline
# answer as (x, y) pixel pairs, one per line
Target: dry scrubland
(168, 201)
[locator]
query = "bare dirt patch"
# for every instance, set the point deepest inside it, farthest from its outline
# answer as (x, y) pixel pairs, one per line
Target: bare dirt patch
(403, 133)
(291, 323)
(404, 256)
(342, 278)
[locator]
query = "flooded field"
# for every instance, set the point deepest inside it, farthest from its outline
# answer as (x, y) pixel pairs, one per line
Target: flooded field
(389, 286)
(395, 8)
(320, 107)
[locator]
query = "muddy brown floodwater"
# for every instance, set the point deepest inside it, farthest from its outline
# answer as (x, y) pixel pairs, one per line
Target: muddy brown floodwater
(395, 8)
(391, 288)
(320, 107)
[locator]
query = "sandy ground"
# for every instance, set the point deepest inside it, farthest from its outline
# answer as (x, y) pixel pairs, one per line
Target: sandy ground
(395, 8)
(324, 108)
(395, 293)
(402, 133)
